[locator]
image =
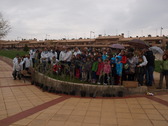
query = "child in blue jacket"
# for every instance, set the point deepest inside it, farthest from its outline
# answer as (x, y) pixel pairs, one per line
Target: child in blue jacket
(119, 67)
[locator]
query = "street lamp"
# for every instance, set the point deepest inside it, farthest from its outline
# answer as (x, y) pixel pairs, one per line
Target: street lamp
(161, 31)
(91, 34)
(47, 36)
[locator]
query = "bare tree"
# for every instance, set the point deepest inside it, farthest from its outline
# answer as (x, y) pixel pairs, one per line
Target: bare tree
(4, 27)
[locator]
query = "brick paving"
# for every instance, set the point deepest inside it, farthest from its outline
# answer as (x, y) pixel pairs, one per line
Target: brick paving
(23, 104)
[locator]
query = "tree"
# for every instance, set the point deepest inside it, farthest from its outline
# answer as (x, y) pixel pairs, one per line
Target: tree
(26, 48)
(4, 27)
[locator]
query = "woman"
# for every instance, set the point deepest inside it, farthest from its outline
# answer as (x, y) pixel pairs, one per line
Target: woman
(141, 68)
(164, 71)
(132, 61)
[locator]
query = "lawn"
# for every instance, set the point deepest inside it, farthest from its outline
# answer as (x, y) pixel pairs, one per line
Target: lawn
(12, 53)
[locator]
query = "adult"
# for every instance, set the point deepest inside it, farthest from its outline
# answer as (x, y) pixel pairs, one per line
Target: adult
(164, 71)
(52, 56)
(76, 51)
(141, 68)
(44, 58)
(32, 56)
(15, 60)
(27, 62)
(68, 56)
(132, 61)
(149, 67)
(62, 54)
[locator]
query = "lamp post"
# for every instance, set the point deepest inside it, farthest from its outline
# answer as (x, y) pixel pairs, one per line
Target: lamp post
(47, 36)
(161, 31)
(91, 34)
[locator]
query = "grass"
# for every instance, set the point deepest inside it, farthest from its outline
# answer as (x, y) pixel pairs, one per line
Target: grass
(12, 53)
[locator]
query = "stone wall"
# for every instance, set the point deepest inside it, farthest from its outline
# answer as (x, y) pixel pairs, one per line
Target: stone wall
(52, 85)
(7, 60)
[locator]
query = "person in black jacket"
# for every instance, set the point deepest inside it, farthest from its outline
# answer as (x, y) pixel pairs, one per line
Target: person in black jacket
(150, 67)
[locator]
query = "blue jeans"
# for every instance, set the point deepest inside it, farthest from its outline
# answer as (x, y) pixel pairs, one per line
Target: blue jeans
(149, 76)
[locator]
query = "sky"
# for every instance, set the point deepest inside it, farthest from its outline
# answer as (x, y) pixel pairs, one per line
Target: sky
(57, 19)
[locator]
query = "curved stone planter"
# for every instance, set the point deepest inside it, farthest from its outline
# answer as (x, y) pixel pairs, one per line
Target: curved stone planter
(87, 89)
(53, 85)
(7, 60)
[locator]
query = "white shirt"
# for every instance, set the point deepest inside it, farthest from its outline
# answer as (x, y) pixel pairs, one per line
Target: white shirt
(51, 55)
(32, 53)
(68, 56)
(17, 66)
(77, 52)
(62, 55)
(27, 62)
(144, 63)
(15, 60)
(44, 55)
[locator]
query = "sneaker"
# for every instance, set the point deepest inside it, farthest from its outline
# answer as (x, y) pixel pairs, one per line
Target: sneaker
(105, 83)
(98, 83)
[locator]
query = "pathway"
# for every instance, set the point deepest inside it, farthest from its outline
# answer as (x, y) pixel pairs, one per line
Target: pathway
(23, 104)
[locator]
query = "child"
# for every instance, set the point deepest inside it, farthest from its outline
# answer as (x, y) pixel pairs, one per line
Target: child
(94, 69)
(104, 55)
(106, 71)
(78, 66)
(17, 69)
(84, 73)
(119, 67)
(56, 68)
(113, 70)
(88, 68)
(99, 72)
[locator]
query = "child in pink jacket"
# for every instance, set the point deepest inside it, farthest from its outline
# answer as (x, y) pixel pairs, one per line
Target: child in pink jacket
(106, 71)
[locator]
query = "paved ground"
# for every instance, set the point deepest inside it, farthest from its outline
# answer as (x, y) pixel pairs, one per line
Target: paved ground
(22, 104)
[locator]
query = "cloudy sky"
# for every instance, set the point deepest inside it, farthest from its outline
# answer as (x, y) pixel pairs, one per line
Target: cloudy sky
(56, 19)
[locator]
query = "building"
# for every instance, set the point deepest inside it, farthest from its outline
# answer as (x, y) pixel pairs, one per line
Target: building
(101, 41)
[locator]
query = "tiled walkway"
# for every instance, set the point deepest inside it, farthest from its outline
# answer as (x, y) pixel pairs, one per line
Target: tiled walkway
(26, 105)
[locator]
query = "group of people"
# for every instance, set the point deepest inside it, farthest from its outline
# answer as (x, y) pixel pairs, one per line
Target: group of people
(99, 66)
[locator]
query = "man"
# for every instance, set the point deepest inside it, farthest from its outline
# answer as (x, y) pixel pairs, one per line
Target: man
(68, 56)
(17, 69)
(15, 61)
(27, 62)
(52, 56)
(149, 67)
(32, 56)
(44, 58)
(62, 54)
(77, 51)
